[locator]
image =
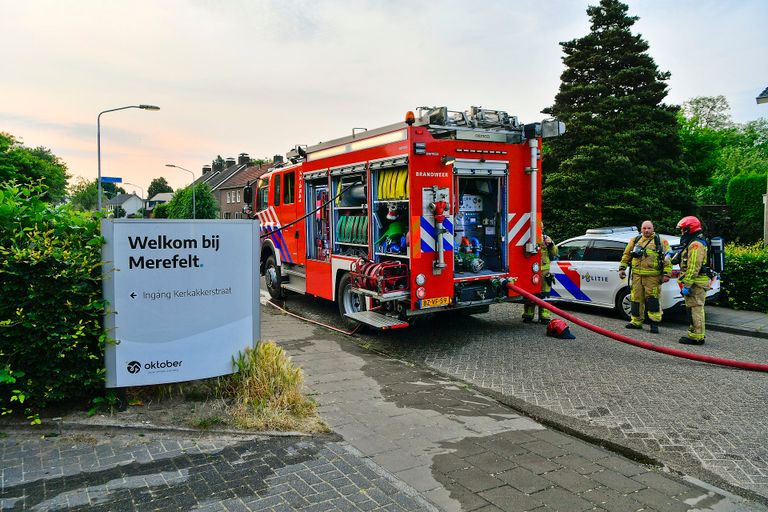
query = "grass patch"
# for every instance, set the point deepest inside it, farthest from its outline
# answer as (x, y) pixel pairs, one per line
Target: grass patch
(266, 392)
(209, 422)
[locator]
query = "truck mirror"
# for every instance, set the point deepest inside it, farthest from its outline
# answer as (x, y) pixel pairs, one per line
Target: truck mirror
(248, 194)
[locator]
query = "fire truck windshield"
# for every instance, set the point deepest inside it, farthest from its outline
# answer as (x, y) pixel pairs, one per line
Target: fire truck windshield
(262, 195)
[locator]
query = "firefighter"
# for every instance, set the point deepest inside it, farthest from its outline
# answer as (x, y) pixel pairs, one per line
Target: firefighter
(694, 279)
(651, 267)
(548, 253)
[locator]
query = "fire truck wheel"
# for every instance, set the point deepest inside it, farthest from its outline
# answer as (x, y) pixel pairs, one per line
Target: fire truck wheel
(272, 278)
(348, 302)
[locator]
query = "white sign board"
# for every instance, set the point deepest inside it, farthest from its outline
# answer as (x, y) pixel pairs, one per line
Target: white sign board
(183, 298)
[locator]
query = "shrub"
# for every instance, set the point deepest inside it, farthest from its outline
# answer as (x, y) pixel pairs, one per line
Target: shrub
(51, 328)
(745, 280)
(267, 394)
(745, 197)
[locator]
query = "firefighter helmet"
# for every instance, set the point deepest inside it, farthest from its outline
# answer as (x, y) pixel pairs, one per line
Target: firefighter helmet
(557, 328)
(689, 224)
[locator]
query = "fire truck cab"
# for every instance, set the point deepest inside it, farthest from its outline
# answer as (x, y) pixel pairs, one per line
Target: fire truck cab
(436, 213)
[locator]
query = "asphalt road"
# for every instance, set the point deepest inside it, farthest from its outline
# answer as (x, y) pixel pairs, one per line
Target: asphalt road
(707, 421)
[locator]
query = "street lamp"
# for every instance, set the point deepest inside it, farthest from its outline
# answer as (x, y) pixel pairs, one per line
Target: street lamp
(193, 185)
(98, 138)
(143, 205)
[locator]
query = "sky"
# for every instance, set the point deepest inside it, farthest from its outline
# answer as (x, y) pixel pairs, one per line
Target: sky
(261, 76)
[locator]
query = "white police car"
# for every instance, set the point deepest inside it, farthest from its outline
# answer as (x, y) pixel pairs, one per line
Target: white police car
(587, 271)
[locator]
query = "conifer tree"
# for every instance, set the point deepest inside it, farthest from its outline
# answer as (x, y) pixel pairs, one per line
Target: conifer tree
(619, 161)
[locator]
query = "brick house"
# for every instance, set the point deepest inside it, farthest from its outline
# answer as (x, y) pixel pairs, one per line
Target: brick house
(214, 177)
(231, 190)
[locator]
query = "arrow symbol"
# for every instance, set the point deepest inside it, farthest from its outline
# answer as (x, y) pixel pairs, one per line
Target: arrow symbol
(133, 295)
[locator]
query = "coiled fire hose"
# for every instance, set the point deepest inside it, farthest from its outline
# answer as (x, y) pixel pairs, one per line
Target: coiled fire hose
(745, 365)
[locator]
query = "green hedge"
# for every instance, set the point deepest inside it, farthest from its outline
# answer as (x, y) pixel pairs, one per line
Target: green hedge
(51, 312)
(745, 197)
(745, 280)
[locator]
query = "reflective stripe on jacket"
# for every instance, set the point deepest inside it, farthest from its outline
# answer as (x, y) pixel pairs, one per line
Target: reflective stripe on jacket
(691, 262)
(647, 265)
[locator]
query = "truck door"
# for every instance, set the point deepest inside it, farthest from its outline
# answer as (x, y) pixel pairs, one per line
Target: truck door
(283, 211)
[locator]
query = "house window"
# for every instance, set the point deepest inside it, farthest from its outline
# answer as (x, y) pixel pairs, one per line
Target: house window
(229, 197)
(288, 187)
(238, 197)
(227, 215)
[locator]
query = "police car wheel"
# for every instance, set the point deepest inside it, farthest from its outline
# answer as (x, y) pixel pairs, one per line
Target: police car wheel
(623, 304)
(272, 277)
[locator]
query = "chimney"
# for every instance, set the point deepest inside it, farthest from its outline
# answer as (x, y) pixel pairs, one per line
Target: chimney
(243, 159)
(206, 169)
(277, 159)
(229, 162)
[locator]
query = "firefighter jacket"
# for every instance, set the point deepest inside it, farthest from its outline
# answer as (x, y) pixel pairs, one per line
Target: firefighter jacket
(692, 264)
(548, 253)
(650, 263)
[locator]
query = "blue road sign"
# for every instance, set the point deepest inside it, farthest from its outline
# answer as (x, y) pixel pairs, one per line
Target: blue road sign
(107, 179)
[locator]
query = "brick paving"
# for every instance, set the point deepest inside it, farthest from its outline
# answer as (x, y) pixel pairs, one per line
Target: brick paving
(136, 471)
(465, 451)
(701, 419)
(409, 438)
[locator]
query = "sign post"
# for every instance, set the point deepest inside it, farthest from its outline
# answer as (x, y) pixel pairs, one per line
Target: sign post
(183, 298)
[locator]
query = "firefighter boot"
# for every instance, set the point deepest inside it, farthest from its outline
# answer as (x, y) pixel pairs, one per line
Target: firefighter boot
(529, 310)
(637, 322)
(654, 328)
(685, 340)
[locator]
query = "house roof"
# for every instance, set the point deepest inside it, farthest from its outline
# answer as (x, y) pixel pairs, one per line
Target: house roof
(122, 198)
(240, 179)
(763, 97)
(215, 178)
(162, 196)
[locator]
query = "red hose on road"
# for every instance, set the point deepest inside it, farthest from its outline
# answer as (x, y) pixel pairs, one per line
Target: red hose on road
(642, 344)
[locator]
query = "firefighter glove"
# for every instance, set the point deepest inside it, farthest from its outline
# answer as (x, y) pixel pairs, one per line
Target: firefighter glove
(622, 274)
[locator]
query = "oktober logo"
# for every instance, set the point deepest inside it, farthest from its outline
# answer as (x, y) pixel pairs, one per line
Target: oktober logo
(134, 367)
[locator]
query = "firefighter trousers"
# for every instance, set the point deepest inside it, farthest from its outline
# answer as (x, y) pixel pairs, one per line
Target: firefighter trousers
(645, 295)
(694, 305)
(529, 308)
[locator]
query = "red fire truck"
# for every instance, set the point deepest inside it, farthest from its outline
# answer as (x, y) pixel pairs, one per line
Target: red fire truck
(436, 213)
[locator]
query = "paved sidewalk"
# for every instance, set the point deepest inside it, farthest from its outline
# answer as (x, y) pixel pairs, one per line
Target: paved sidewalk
(750, 323)
(405, 439)
(464, 451)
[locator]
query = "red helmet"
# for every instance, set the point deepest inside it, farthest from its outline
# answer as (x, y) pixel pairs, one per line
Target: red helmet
(557, 328)
(689, 224)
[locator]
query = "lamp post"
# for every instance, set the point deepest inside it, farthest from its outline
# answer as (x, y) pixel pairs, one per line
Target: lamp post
(98, 138)
(141, 190)
(192, 185)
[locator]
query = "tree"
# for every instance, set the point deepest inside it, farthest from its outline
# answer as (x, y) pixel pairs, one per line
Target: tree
(27, 166)
(83, 195)
(180, 207)
(728, 152)
(218, 164)
(745, 197)
(110, 189)
(158, 186)
(119, 212)
(619, 161)
(709, 112)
